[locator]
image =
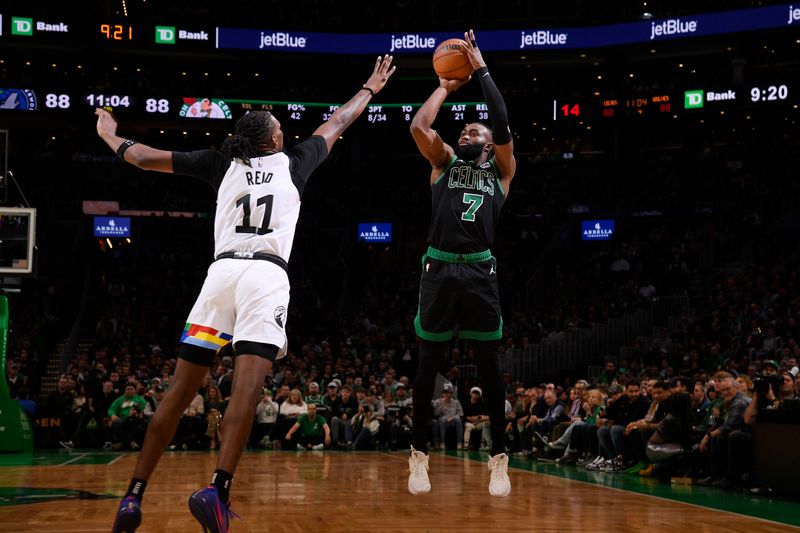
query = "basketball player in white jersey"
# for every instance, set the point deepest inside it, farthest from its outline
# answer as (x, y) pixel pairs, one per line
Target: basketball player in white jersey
(246, 292)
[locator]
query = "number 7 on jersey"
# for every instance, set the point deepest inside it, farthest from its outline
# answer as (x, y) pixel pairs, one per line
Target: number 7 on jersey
(475, 201)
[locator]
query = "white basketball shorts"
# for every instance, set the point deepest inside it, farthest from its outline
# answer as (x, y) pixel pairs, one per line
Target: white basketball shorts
(241, 300)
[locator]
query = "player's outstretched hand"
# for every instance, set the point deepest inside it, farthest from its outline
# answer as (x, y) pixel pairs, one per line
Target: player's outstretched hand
(106, 123)
(471, 50)
(381, 73)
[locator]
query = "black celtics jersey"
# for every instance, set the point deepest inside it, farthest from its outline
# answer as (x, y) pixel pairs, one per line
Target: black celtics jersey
(467, 199)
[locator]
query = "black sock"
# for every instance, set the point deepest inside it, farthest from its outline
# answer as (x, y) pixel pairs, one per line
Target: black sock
(431, 358)
(222, 482)
(136, 488)
(493, 391)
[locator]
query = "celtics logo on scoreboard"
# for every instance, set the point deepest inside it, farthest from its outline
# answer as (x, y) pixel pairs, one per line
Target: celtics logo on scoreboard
(205, 108)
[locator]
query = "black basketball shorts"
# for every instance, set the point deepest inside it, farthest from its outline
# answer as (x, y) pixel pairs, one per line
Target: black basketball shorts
(458, 292)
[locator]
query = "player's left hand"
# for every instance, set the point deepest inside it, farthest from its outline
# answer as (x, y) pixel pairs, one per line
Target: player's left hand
(381, 73)
(472, 51)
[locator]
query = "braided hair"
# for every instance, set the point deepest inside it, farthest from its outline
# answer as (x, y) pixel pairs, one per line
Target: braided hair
(251, 130)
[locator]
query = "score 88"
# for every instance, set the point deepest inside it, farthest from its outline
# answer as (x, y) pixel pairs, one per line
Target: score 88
(156, 106)
(56, 100)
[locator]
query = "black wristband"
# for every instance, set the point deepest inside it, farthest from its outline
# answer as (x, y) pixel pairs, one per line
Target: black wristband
(371, 92)
(123, 147)
(482, 70)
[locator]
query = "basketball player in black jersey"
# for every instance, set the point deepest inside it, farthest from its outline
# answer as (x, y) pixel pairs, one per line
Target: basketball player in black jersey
(458, 287)
(244, 297)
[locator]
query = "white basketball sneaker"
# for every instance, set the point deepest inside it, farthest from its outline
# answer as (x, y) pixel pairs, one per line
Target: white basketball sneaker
(499, 484)
(418, 482)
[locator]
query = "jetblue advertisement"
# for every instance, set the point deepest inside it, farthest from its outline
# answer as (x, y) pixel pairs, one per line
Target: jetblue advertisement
(508, 40)
(375, 232)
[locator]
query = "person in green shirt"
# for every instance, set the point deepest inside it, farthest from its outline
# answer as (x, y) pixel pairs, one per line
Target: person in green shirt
(314, 395)
(314, 430)
(127, 420)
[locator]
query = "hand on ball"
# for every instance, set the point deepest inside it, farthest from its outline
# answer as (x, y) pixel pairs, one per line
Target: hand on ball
(471, 50)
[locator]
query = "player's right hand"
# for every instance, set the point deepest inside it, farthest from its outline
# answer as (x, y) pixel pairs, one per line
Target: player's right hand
(453, 85)
(106, 123)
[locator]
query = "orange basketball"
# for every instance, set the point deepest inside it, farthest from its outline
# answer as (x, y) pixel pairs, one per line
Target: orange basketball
(450, 62)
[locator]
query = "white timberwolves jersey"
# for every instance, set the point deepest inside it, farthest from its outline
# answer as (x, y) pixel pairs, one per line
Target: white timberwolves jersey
(257, 205)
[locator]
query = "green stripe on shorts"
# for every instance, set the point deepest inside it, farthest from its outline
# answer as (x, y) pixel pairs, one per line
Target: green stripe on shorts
(483, 335)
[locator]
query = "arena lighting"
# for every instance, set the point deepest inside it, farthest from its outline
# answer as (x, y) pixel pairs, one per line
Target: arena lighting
(109, 243)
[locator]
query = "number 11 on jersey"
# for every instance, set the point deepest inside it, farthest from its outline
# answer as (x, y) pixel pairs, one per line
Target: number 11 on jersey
(244, 203)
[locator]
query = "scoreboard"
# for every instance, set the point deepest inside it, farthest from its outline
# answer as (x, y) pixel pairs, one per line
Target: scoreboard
(681, 102)
(207, 107)
(169, 110)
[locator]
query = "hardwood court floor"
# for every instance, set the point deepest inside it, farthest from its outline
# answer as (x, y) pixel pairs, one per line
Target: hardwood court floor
(337, 491)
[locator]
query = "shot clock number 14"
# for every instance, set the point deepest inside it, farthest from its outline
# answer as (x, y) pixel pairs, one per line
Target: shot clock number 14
(566, 110)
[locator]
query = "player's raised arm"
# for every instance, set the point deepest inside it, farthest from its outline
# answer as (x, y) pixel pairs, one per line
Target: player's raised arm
(430, 144)
(501, 133)
(343, 117)
(133, 152)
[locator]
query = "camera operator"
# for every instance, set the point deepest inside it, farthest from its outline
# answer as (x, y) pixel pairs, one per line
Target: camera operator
(365, 427)
(771, 389)
(770, 392)
(127, 418)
